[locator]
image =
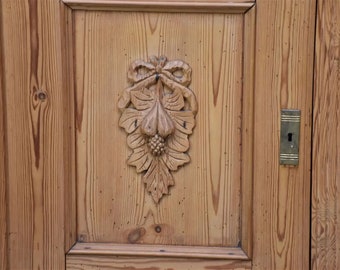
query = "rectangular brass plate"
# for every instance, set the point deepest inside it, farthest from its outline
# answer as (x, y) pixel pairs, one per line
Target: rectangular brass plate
(290, 135)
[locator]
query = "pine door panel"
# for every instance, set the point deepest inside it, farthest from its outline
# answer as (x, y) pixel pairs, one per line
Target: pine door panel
(204, 205)
(210, 202)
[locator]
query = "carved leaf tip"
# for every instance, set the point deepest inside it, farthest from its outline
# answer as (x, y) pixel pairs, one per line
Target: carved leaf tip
(158, 179)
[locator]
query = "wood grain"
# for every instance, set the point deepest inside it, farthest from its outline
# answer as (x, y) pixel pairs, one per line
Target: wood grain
(3, 182)
(38, 137)
(93, 262)
(217, 6)
(283, 79)
(204, 205)
(70, 209)
(247, 169)
(326, 139)
(158, 251)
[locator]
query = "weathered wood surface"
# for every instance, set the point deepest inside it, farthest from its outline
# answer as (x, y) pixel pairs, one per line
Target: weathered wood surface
(204, 205)
(37, 132)
(93, 262)
(283, 79)
(216, 6)
(326, 139)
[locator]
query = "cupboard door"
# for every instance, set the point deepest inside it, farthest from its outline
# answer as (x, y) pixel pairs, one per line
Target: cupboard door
(148, 133)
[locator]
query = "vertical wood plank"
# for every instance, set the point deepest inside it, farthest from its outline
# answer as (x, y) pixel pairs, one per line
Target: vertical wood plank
(38, 145)
(326, 139)
(283, 79)
(3, 183)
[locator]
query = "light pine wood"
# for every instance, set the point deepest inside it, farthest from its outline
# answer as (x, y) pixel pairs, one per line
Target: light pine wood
(217, 6)
(158, 251)
(94, 262)
(158, 113)
(247, 169)
(50, 157)
(204, 205)
(283, 79)
(3, 193)
(326, 139)
(3, 183)
(38, 133)
(70, 203)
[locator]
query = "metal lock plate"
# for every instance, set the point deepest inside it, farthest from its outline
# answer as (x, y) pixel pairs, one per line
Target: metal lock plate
(290, 137)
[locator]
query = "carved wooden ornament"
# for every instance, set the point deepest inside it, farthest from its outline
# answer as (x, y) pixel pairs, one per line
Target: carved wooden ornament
(158, 113)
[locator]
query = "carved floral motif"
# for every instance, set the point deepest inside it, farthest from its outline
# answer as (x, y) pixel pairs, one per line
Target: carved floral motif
(158, 113)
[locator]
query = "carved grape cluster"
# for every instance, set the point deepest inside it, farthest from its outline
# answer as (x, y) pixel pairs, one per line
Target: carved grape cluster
(156, 144)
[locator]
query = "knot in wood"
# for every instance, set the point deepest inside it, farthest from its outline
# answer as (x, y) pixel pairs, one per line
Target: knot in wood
(157, 145)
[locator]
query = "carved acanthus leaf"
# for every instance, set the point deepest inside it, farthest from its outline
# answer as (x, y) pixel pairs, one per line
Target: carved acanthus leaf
(131, 119)
(158, 179)
(142, 100)
(178, 141)
(158, 113)
(174, 101)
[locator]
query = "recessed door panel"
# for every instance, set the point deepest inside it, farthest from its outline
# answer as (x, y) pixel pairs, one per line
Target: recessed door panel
(204, 204)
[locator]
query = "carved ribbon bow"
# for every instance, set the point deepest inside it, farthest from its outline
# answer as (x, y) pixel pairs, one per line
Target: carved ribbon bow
(158, 114)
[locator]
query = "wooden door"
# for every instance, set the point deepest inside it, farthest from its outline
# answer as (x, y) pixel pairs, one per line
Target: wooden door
(92, 88)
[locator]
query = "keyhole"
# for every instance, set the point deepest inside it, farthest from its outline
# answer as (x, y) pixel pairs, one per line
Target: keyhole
(290, 137)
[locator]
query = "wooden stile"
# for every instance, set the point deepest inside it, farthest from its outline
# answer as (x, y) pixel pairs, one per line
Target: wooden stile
(325, 235)
(283, 79)
(3, 179)
(38, 132)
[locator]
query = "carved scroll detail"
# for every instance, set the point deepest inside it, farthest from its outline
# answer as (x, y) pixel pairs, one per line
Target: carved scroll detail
(158, 113)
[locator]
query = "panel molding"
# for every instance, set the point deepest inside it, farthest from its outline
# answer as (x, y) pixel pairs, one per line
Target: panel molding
(219, 6)
(232, 253)
(69, 129)
(219, 211)
(94, 262)
(248, 131)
